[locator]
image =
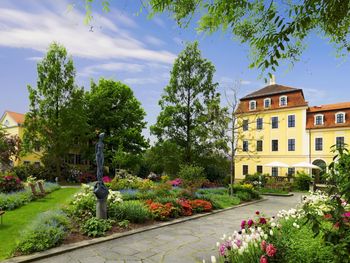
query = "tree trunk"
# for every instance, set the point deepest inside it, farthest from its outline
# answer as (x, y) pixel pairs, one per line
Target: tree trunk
(188, 128)
(233, 153)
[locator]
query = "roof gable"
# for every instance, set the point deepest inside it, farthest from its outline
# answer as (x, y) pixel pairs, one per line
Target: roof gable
(270, 90)
(13, 118)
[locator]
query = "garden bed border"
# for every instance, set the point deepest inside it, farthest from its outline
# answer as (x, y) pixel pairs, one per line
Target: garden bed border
(279, 195)
(70, 247)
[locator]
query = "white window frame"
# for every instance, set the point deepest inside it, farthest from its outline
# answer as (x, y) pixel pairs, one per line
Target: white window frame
(284, 96)
(267, 99)
(336, 115)
(254, 104)
(318, 115)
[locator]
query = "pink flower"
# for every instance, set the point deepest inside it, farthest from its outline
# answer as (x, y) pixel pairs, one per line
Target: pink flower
(106, 179)
(271, 250)
(263, 259)
(263, 245)
(222, 249)
(347, 214)
(250, 222)
(262, 220)
(243, 223)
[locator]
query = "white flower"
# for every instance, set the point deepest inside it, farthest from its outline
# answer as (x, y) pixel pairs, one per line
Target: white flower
(243, 231)
(217, 244)
(213, 259)
(273, 224)
(271, 232)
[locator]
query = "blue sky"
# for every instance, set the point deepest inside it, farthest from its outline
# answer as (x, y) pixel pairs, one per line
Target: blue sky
(125, 45)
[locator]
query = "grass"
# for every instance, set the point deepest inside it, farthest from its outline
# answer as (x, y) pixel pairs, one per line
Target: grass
(15, 221)
(272, 191)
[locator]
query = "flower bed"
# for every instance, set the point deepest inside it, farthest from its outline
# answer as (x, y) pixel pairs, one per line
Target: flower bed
(287, 238)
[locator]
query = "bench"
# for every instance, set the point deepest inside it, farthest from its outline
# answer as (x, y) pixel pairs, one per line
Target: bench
(1, 214)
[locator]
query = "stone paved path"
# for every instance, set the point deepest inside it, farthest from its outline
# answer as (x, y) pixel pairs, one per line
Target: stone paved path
(191, 241)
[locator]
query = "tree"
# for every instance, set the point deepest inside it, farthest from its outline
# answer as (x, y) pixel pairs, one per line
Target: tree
(56, 119)
(114, 110)
(274, 30)
(190, 115)
(10, 147)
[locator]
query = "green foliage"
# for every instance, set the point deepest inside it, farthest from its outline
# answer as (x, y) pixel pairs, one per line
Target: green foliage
(131, 182)
(254, 179)
(191, 176)
(113, 109)
(219, 200)
(10, 183)
(47, 231)
(56, 119)
(24, 171)
(302, 181)
(94, 227)
(135, 211)
(275, 31)
(245, 192)
(124, 224)
(300, 245)
(190, 115)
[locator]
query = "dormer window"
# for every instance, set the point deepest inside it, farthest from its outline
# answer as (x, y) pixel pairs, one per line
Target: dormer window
(6, 123)
(252, 105)
(283, 101)
(319, 119)
(267, 103)
(340, 117)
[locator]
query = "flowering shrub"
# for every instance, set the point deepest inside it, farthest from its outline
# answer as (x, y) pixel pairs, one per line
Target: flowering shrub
(84, 202)
(86, 177)
(176, 182)
(10, 183)
(131, 182)
(161, 211)
(199, 205)
(186, 208)
(106, 179)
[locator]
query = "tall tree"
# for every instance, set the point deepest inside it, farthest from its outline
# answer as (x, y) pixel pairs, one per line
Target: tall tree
(114, 110)
(56, 119)
(191, 115)
(10, 147)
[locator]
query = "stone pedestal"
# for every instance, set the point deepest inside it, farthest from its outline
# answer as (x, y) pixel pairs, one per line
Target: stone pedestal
(101, 208)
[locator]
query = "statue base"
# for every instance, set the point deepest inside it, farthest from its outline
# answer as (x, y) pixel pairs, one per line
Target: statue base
(101, 208)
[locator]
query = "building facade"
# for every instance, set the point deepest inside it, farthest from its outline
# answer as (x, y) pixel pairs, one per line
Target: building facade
(276, 123)
(12, 123)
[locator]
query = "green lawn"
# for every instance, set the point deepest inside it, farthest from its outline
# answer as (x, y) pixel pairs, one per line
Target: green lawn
(16, 220)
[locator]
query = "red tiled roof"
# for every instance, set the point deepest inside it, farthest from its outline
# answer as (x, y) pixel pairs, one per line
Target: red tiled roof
(327, 107)
(270, 90)
(17, 117)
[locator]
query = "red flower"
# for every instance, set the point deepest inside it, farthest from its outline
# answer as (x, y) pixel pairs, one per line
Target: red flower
(262, 220)
(327, 216)
(257, 213)
(250, 222)
(243, 223)
(263, 259)
(271, 250)
(263, 245)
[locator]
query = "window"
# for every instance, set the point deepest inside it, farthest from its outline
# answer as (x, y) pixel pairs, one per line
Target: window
(259, 169)
(283, 101)
(318, 144)
(274, 122)
(252, 105)
(340, 117)
(267, 103)
(274, 145)
(259, 146)
(245, 169)
(37, 147)
(245, 125)
(245, 146)
(259, 123)
(291, 145)
(339, 142)
(274, 171)
(291, 121)
(6, 123)
(291, 171)
(37, 164)
(319, 119)
(78, 159)
(26, 162)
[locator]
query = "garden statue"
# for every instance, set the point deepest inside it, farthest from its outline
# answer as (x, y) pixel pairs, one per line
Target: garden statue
(100, 189)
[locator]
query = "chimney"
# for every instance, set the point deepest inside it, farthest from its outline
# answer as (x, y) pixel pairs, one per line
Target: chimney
(272, 80)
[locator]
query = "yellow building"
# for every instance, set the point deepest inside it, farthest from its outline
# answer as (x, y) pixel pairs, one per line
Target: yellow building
(277, 124)
(12, 123)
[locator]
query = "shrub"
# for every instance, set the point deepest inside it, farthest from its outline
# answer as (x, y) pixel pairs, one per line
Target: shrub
(86, 177)
(47, 231)
(135, 211)
(302, 181)
(254, 179)
(10, 183)
(186, 208)
(192, 177)
(50, 187)
(162, 211)
(245, 192)
(199, 206)
(16, 199)
(94, 227)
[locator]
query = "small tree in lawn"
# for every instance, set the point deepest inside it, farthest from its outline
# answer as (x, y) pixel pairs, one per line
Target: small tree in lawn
(190, 115)
(56, 119)
(10, 147)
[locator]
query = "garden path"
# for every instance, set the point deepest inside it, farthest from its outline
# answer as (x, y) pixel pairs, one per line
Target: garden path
(190, 241)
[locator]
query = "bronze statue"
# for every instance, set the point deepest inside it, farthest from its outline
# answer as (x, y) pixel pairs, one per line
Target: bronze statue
(100, 190)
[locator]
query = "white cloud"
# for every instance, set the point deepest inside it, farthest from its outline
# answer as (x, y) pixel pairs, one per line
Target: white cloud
(113, 66)
(36, 30)
(34, 58)
(158, 21)
(154, 41)
(245, 82)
